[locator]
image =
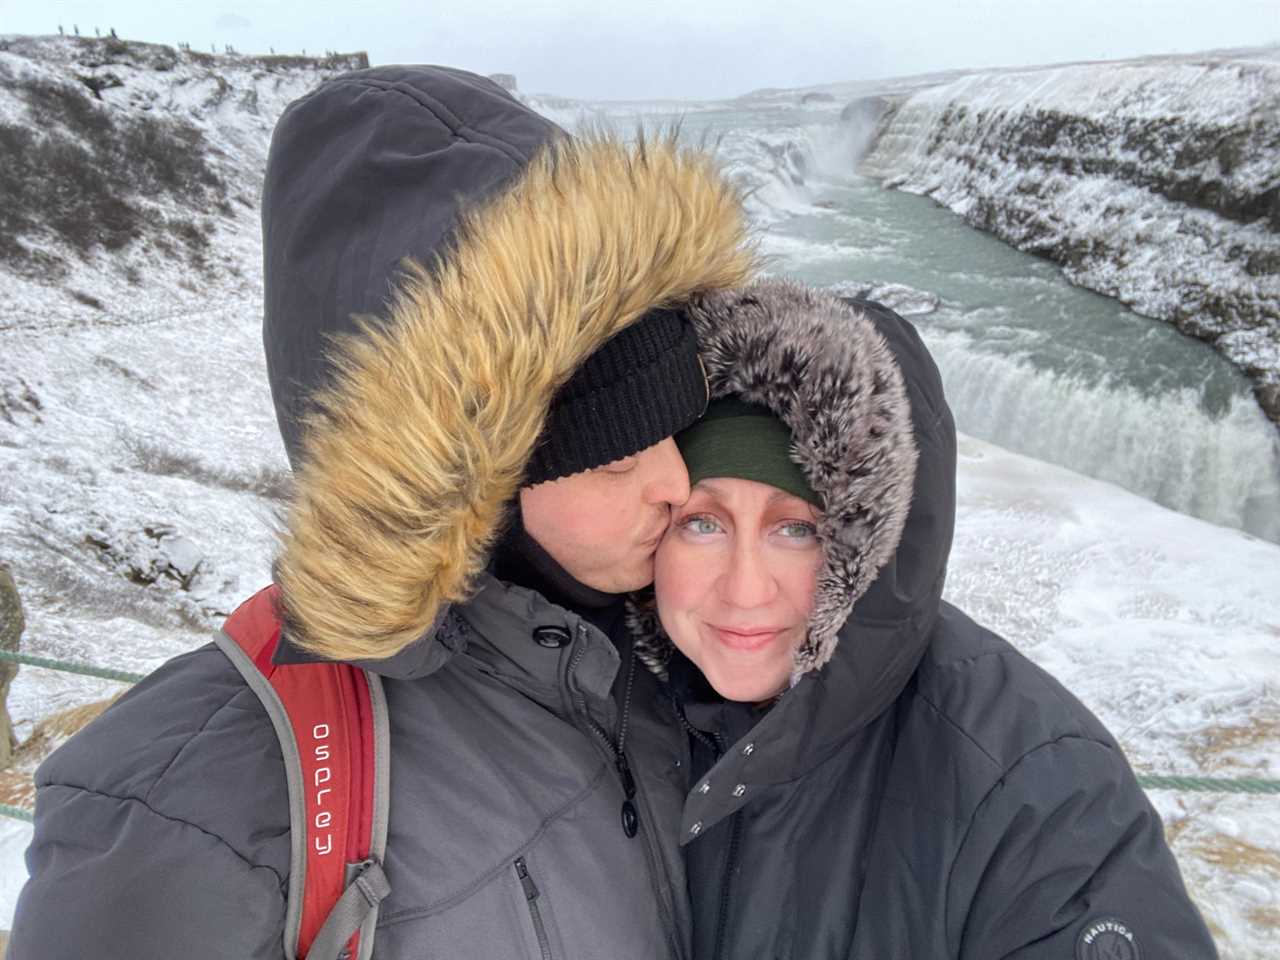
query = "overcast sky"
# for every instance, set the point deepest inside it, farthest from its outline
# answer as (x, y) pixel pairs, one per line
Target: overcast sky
(697, 49)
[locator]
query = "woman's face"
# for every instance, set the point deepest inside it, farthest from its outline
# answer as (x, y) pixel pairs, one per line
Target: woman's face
(735, 578)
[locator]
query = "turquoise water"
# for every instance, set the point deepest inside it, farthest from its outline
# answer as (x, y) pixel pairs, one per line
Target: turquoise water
(1030, 362)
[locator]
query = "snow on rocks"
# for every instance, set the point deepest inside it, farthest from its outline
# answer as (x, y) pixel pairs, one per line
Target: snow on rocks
(141, 165)
(898, 297)
(1154, 181)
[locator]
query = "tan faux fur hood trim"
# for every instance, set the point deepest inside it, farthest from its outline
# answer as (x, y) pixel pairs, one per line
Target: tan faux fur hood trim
(416, 449)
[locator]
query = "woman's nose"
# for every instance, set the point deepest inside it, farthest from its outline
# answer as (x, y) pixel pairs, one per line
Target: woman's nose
(747, 581)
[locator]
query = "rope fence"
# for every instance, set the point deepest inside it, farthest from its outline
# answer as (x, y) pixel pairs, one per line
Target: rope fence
(66, 666)
(16, 813)
(1247, 785)
(1208, 784)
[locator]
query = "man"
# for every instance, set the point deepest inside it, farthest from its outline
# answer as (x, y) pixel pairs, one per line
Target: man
(482, 465)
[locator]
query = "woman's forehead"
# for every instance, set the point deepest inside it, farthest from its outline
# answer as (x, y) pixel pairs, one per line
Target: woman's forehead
(737, 492)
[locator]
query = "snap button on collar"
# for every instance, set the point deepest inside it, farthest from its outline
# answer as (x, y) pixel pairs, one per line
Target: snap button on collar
(551, 637)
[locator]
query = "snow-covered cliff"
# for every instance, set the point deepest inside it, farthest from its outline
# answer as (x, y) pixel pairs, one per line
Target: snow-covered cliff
(133, 168)
(1155, 181)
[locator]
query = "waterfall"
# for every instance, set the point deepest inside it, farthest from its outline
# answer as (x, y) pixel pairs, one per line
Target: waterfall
(1166, 447)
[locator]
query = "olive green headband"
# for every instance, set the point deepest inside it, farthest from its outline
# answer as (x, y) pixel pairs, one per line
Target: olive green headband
(744, 440)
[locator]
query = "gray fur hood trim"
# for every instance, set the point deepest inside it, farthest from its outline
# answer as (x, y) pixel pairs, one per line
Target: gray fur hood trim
(822, 366)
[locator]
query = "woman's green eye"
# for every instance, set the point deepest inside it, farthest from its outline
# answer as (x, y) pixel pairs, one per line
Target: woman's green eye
(703, 526)
(799, 530)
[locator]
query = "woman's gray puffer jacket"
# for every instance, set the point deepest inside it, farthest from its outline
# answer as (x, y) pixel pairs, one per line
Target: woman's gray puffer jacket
(162, 830)
(922, 790)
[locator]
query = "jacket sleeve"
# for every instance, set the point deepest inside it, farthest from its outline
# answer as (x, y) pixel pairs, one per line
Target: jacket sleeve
(1064, 859)
(111, 877)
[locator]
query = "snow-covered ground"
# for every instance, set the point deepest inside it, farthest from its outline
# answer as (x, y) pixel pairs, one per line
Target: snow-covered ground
(1152, 181)
(140, 476)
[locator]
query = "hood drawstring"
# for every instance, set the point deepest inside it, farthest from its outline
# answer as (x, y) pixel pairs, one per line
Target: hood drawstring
(630, 818)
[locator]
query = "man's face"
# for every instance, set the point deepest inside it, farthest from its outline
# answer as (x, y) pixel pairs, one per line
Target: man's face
(604, 525)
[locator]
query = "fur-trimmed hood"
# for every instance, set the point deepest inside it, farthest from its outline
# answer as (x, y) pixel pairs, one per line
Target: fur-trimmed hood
(417, 440)
(872, 433)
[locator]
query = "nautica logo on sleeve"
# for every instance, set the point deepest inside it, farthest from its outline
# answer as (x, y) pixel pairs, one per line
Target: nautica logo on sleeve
(1107, 939)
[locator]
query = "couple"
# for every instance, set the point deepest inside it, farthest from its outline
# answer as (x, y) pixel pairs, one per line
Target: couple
(790, 747)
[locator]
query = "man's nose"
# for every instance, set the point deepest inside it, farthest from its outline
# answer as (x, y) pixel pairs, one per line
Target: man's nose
(669, 477)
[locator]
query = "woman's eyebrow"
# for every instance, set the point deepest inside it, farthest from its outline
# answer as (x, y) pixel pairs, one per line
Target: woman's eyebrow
(711, 485)
(784, 495)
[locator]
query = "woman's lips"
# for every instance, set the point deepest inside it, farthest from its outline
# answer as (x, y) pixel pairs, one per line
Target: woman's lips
(755, 638)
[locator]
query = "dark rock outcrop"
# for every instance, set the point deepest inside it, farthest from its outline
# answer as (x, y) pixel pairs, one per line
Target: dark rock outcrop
(870, 111)
(129, 150)
(12, 623)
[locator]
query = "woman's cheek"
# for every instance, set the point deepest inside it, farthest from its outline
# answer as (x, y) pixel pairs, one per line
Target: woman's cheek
(666, 564)
(674, 580)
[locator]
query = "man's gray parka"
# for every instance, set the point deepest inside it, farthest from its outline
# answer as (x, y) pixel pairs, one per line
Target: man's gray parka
(162, 830)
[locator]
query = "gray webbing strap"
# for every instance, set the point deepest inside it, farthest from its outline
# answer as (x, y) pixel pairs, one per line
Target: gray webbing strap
(381, 797)
(275, 708)
(363, 894)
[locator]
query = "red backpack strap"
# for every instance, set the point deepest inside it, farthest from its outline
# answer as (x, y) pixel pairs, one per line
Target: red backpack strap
(331, 719)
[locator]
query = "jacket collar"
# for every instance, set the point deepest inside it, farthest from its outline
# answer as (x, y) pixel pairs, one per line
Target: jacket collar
(425, 656)
(822, 715)
(537, 645)
(521, 560)
(516, 633)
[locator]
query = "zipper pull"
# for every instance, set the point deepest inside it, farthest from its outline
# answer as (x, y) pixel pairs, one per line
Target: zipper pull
(630, 818)
(526, 881)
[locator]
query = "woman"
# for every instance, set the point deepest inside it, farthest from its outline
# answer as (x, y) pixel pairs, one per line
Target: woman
(869, 772)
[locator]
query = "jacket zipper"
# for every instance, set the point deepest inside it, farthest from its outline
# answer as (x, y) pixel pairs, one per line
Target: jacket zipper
(735, 841)
(531, 894)
(722, 926)
(629, 786)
